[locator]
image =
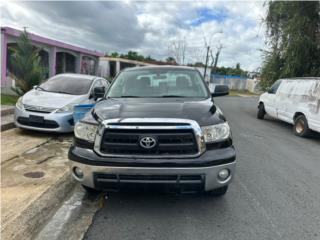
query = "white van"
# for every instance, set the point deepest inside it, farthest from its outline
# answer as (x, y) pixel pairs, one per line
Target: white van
(294, 100)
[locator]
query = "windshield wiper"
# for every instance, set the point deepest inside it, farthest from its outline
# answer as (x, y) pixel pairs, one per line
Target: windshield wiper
(38, 87)
(173, 96)
(130, 96)
(60, 92)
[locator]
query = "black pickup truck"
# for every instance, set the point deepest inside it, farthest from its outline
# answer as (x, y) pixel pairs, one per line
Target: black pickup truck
(155, 125)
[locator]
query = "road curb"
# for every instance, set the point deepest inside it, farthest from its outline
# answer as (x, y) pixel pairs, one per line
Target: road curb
(33, 219)
(7, 111)
(72, 220)
(7, 126)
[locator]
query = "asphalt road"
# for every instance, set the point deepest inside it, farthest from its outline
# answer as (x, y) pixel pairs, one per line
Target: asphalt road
(275, 193)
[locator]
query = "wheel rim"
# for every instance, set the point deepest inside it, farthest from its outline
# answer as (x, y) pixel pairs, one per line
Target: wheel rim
(300, 126)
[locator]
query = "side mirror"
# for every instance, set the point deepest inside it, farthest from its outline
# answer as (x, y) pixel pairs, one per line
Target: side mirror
(220, 90)
(98, 92)
(269, 90)
(35, 87)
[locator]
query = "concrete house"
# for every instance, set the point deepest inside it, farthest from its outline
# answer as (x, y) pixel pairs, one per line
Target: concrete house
(56, 57)
(109, 67)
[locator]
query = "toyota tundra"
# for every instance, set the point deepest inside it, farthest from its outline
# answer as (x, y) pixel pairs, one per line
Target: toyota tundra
(155, 126)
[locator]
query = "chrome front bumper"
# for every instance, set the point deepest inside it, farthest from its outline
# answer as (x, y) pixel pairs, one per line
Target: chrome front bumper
(60, 118)
(211, 180)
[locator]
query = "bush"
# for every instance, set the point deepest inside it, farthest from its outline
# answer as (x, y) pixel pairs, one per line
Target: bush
(26, 65)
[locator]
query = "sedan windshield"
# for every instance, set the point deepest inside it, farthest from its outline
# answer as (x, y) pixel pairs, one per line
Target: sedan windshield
(67, 84)
(159, 83)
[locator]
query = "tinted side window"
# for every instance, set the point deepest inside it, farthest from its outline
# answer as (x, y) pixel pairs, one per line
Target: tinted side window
(274, 87)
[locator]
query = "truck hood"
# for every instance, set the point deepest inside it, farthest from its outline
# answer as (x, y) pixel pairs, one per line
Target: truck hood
(50, 99)
(202, 111)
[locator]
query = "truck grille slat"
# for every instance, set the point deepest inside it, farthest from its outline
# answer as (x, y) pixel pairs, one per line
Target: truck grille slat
(169, 141)
(101, 179)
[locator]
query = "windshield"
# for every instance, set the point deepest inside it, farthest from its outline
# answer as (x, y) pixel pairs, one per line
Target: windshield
(159, 83)
(67, 84)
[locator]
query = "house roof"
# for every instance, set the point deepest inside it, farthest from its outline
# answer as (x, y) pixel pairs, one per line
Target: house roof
(39, 39)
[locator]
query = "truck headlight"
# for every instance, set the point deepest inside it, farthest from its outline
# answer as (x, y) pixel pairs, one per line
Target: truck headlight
(19, 103)
(66, 108)
(85, 131)
(215, 133)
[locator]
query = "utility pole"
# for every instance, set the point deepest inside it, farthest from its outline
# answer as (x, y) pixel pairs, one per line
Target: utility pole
(205, 67)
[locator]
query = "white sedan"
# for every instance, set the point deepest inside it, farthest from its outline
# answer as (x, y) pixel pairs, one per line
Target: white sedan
(49, 106)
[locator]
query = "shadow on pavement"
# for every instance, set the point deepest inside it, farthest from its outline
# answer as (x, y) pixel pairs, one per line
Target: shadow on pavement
(313, 135)
(151, 199)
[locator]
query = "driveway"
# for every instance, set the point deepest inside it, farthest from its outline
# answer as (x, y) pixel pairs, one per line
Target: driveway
(275, 193)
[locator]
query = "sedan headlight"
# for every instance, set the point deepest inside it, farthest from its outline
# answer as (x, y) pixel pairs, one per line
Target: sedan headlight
(85, 131)
(66, 108)
(215, 133)
(19, 103)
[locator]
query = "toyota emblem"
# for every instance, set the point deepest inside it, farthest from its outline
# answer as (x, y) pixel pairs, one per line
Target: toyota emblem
(148, 142)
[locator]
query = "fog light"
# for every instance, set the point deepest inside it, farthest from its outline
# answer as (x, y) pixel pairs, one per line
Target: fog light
(223, 174)
(78, 172)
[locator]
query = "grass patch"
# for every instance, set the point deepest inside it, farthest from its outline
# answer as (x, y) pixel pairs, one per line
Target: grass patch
(242, 92)
(8, 99)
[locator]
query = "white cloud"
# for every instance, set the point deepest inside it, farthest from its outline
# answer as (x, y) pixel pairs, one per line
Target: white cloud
(148, 27)
(242, 35)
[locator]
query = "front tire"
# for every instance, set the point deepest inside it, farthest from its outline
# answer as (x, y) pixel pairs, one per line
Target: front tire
(261, 111)
(219, 192)
(301, 127)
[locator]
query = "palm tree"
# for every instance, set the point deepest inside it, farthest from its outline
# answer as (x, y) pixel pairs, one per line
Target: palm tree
(26, 65)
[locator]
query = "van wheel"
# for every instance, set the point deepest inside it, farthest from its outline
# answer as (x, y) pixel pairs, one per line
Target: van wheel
(219, 192)
(301, 127)
(90, 190)
(261, 111)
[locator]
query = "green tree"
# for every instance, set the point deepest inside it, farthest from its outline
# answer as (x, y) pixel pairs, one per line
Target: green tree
(171, 60)
(237, 71)
(26, 65)
(293, 36)
(149, 59)
(114, 54)
(198, 64)
(132, 55)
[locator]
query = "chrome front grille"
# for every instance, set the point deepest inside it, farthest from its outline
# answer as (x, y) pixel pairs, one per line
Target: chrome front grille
(169, 141)
(32, 108)
(176, 138)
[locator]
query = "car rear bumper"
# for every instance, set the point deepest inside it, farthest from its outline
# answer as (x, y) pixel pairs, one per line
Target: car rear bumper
(59, 122)
(115, 172)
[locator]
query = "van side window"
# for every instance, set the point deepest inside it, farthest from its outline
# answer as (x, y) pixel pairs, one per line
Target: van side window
(274, 87)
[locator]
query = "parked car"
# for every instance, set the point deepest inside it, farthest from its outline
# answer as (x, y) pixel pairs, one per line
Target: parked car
(294, 100)
(49, 106)
(157, 126)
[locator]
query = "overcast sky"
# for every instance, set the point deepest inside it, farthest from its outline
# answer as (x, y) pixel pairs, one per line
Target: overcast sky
(148, 27)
